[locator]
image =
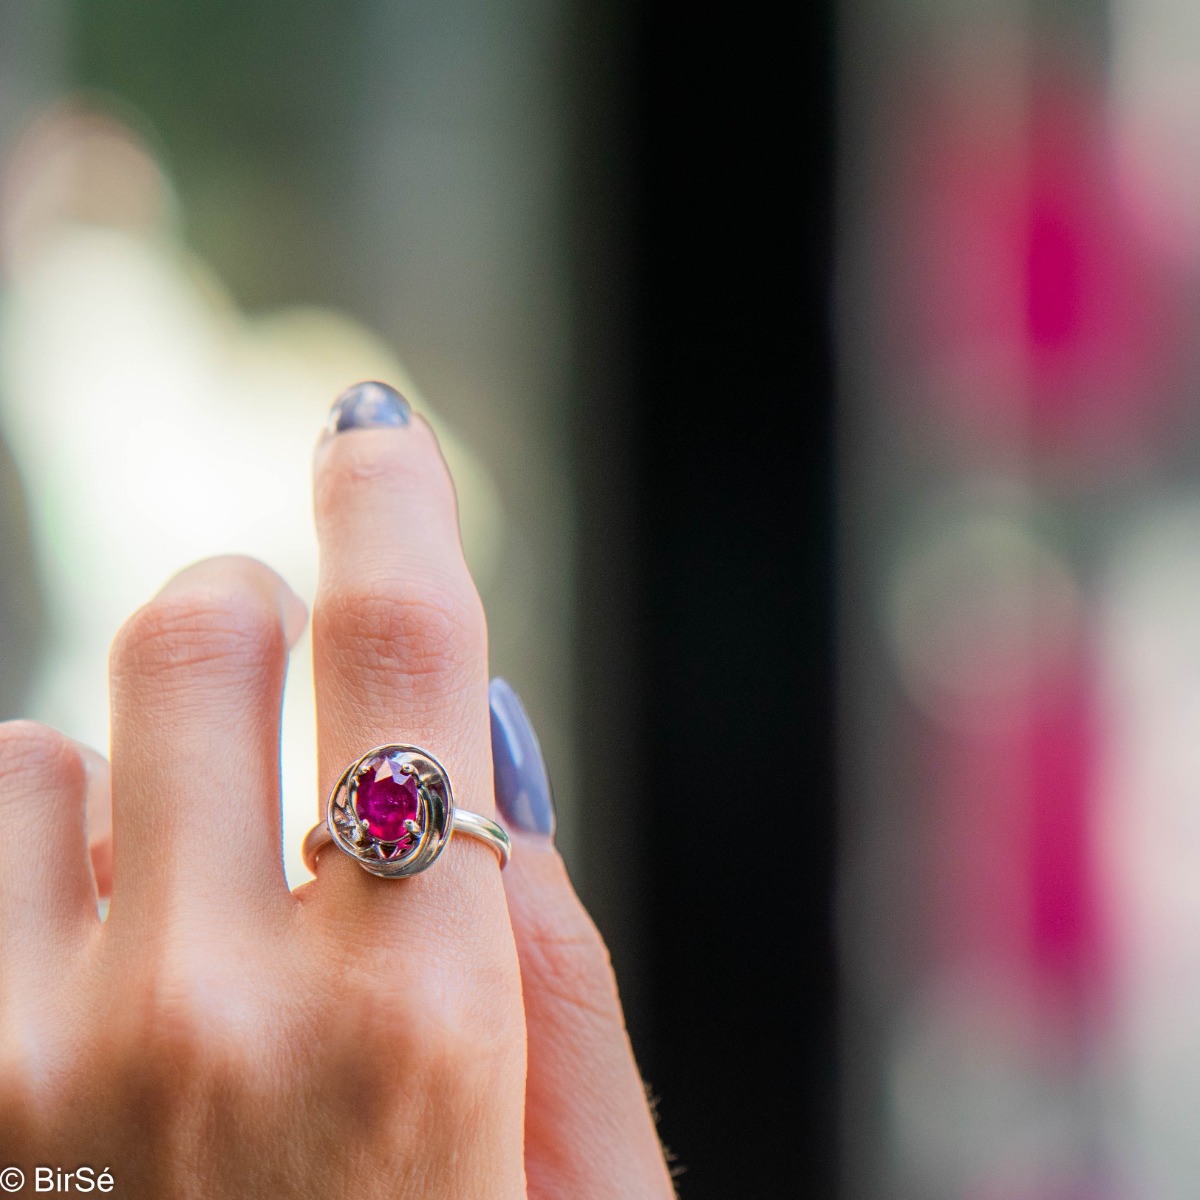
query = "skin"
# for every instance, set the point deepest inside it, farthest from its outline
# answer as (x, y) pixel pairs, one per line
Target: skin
(456, 1034)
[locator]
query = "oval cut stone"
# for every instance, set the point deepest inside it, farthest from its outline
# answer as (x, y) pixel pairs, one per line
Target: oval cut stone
(385, 798)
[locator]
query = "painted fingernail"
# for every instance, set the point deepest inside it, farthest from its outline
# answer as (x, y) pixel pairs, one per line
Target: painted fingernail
(522, 785)
(369, 405)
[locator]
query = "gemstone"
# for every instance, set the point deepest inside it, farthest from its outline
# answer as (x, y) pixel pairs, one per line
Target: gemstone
(385, 798)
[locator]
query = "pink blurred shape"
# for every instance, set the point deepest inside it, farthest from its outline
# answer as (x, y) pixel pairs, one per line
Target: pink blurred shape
(1023, 306)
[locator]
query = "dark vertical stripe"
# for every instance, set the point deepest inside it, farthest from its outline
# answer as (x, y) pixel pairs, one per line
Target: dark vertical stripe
(732, 432)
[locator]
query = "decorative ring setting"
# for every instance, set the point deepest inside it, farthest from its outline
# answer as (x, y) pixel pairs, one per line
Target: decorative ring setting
(393, 812)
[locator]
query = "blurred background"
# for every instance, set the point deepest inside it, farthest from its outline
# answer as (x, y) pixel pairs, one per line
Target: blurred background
(625, 261)
(575, 235)
(1018, 900)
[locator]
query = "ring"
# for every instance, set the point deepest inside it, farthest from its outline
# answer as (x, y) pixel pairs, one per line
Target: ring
(393, 812)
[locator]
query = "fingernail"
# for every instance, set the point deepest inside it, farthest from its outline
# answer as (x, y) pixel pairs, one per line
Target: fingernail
(522, 785)
(369, 405)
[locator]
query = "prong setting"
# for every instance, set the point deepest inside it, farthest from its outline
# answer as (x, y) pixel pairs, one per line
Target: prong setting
(382, 837)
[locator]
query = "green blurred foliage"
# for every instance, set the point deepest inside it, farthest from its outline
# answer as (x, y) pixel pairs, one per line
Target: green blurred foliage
(252, 105)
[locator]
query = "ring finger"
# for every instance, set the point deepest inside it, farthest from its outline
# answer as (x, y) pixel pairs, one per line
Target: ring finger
(400, 656)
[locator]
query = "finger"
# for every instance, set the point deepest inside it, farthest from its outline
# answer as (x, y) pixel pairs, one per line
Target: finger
(98, 816)
(400, 656)
(400, 649)
(47, 899)
(589, 1132)
(197, 684)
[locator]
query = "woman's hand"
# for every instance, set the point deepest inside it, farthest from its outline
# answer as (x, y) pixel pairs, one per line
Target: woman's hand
(221, 1036)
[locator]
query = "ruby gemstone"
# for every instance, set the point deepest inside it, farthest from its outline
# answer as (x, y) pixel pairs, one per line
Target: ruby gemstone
(385, 798)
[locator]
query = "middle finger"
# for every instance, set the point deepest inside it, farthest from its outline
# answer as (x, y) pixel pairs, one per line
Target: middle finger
(197, 684)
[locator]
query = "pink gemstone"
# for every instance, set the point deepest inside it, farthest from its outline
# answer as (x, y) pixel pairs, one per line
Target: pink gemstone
(385, 799)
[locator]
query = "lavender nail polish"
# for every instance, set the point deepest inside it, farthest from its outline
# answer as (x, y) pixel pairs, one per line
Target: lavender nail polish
(369, 405)
(522, 785)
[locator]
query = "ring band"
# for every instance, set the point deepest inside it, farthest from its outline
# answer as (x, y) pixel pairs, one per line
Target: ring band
(393, 812)
(472, 824)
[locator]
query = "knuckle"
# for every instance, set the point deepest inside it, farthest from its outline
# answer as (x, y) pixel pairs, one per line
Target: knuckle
(176, 1033)
(30, 750)
(158, 1053)
(428, 627)
(444, 1058)
(183, 632)
(414, 1014)
(464, 1069)
(169, 1024)
(181, 1022)
(381, 1014)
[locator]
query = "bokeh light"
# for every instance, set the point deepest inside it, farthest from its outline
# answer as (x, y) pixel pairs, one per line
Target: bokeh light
(1020, 910)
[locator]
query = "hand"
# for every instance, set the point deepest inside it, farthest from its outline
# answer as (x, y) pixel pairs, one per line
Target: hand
(454, 1034)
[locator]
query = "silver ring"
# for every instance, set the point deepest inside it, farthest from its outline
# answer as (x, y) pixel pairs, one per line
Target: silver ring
(392, 811)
